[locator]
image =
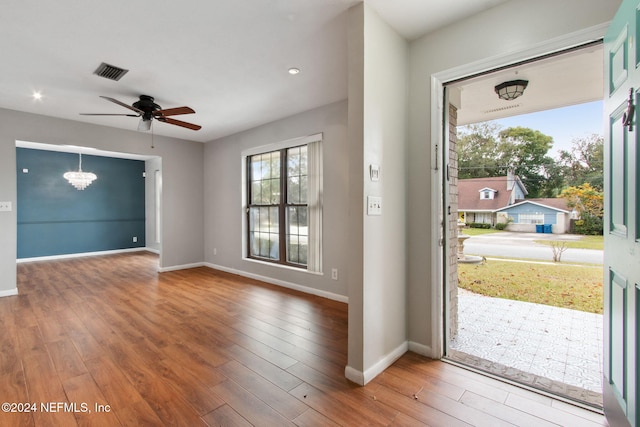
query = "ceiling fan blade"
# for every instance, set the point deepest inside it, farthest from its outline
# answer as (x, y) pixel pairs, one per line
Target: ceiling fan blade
(174, 111)
(115, 101)
(100, 114)
(179, 123)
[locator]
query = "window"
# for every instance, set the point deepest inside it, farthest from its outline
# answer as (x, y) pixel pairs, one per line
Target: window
(283, 205)
(487, 193)
(531, 218)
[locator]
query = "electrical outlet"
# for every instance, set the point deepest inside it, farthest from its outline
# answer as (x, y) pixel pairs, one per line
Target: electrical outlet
(334, 273)
(215, 251)
(5, 207)
(135, 240)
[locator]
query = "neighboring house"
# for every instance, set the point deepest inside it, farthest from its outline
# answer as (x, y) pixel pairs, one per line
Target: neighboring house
(524, 215)
(480, 198)
(501, 199)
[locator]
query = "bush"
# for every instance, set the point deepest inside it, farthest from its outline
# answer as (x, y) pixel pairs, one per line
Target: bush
(501, 225)
(479, 225)
(589, 225)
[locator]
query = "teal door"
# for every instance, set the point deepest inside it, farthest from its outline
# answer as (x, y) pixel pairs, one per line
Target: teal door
(622, 218)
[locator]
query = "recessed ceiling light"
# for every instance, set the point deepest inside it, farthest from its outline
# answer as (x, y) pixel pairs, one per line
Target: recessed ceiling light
(294, 71)
(37, 95)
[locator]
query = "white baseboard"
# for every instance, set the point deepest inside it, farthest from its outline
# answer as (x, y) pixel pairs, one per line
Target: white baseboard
(362, 378)
(9, 293)
(354, 375)
(181, 267)
(284, 284)
(421, 349)
(79, 255)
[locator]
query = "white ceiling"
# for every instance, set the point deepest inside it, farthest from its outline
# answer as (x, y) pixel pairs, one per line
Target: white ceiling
(227, 59)
(567, 79)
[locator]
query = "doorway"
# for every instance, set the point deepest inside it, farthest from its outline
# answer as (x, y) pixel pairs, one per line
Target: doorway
(481, 337)
(119, 212)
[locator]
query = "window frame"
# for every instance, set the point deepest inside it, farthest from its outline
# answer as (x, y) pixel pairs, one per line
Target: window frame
(282, 147)
(283, 206)
(531, 216)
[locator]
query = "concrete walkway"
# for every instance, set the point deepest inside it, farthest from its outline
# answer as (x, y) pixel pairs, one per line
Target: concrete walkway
(556, 343)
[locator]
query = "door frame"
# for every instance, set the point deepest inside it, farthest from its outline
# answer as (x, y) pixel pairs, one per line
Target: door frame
(439, 156)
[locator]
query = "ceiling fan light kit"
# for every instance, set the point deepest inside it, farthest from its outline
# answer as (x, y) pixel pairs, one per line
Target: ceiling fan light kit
(147, 110)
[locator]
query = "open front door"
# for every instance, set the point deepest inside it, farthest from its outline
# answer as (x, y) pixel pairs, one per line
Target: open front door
(622, 218)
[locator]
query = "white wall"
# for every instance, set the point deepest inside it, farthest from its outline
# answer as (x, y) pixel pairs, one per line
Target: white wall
(223, 200)
(377, 136)
(182, 169)
(497, 36)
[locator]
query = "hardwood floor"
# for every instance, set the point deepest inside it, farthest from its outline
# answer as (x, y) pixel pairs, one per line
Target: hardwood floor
(108, 341)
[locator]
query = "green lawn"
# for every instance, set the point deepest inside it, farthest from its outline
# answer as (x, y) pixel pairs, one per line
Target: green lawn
(479, 231)
(568, 286)
(587, 242)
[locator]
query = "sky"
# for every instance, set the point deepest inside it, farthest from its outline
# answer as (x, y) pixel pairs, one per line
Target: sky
(563, 124)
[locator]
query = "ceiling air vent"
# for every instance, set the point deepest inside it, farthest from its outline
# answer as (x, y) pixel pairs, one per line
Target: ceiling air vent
(110, 72)
(495, 110)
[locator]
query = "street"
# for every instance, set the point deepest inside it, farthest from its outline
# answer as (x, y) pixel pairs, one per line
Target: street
(522, 245)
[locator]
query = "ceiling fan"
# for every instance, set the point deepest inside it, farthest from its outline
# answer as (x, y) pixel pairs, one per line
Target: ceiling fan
(148, 110)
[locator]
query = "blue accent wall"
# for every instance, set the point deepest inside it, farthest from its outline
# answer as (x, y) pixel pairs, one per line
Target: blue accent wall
(56, 219)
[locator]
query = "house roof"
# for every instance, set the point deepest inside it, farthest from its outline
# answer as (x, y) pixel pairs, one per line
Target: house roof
(556, 203)
(469, 199)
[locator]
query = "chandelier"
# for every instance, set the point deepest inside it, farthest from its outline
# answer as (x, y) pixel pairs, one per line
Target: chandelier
(79, 179)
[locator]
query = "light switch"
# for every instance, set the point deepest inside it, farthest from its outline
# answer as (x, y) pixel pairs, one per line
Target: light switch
(374, 205)
(5, 207)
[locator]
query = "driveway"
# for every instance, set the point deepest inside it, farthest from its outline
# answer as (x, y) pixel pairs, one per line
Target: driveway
(522, 245)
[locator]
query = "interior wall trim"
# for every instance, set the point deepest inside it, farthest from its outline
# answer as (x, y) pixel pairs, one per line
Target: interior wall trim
(181, 267)
(283, 283)
(79, 255)
(362, 378)
(9, 293)
(421, 349)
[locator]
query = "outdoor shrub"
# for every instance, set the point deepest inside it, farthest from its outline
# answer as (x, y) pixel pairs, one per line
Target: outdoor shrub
(589, 225)
(501, 225)
(479, 225)
(558, 248)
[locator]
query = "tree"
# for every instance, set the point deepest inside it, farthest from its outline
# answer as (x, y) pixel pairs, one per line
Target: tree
(585, 199)
(484, 150)
(584, 162)
(589, 202)
(478, 155)
(554, 182)
(525, 151)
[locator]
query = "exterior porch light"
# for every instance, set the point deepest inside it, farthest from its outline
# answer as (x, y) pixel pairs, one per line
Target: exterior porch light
(511, 90)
